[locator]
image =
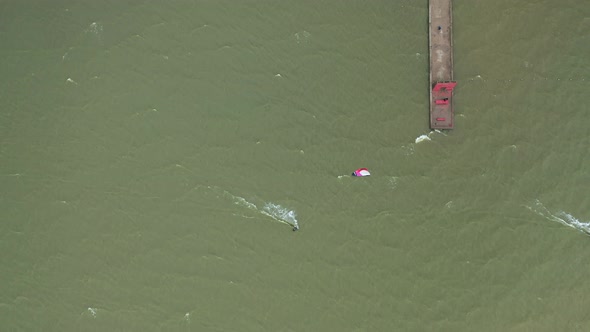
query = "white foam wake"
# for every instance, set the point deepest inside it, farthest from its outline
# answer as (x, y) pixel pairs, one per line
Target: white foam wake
(426, 137)
(280, 213)
(561, 217)
(422, 138)
(275, 211)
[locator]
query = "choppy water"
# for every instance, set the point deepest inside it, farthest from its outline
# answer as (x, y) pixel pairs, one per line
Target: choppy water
(155, 157)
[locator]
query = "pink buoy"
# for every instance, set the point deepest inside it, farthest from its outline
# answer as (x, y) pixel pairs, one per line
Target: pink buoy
(361, 172)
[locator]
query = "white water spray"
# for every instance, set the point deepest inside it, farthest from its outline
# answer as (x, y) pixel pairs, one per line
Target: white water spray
(273, 210)
(561, 217)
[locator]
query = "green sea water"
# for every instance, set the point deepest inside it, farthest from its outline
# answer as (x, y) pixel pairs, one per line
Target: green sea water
(154, 157)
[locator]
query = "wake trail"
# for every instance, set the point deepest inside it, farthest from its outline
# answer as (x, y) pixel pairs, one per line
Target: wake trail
(273, 210)
(561, 217)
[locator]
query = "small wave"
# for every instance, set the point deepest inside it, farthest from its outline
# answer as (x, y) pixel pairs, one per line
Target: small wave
(393, 182)
(561, 217)
(95, 29)
(92, 311)
(302, 36)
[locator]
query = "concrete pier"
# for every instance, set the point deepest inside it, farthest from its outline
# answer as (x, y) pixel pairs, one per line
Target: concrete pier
(440, 19)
